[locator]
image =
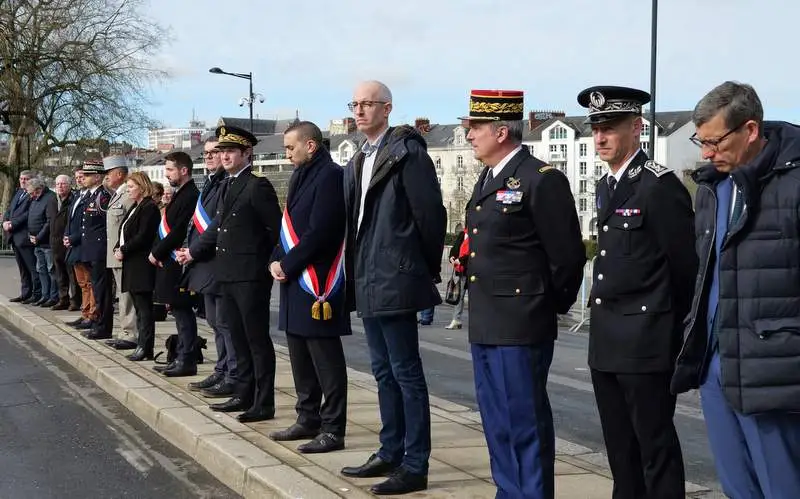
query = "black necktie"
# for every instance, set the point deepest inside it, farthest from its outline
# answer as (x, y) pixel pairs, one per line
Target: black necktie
(226, 183)
(487, 180)
(612, 184)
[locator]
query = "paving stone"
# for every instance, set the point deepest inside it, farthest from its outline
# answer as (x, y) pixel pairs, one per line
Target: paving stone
(183, 426)
(146, 403)
(283, 481)
(229, 456)
(116, 381)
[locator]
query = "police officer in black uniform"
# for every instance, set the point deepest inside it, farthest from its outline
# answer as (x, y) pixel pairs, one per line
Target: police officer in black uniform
(643, 281)
(525, 266)
(93, 250)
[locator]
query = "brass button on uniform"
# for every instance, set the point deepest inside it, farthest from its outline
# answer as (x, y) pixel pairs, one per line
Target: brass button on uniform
(599, 277)
(505, 209)
(475, 230)
(472, 255)
(478, 208)
(472, 279)
(605, 228)
(644, 308)
(625, 225)
(598, 301)
(602, 252)
(516, 290)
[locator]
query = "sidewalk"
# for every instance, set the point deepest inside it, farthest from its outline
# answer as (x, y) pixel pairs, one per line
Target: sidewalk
(246, 460)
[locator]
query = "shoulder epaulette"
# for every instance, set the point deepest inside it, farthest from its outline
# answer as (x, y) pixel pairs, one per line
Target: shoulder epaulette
(657, 169)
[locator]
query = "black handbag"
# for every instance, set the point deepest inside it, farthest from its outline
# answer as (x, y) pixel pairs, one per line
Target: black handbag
(453, 294)
(171, 344)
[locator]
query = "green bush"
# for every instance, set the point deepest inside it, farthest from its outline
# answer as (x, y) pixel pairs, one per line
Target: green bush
(591, 248)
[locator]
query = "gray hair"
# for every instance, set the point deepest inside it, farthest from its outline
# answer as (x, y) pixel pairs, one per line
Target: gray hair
(738, 102)
(26, 173)
(514, 129)
(64, 178)
(34, 184)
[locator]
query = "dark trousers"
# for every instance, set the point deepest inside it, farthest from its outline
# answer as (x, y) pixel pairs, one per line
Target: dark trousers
(145, 322)
(644, 453)
(186, 325)
(31, 286)
(63, 277)
(217, 319)
(511, 388)
(247, 309)
(403, 401)
(319, 368)
(103, 297)
(756, 456)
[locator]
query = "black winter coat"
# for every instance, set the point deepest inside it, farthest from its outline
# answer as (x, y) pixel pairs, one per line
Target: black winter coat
(315, 206)
(759, 303)
(17, 214)
(138, 231)
(58, 225)
(199, 274)
(178, 214)
(41, 211)
(395, 257)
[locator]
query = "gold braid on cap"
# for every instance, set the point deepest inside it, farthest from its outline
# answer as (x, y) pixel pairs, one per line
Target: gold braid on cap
(236, 139)
(495, 107)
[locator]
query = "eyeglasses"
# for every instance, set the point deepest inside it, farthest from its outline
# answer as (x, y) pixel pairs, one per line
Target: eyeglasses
(208, 154)
(713, 144)
(364, 104)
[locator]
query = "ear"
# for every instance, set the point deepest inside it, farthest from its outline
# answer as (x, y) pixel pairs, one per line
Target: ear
(752, 131)
(311, 146)
(387, 109)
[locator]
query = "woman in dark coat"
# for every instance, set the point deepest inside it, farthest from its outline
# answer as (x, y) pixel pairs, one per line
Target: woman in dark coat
(138, 275)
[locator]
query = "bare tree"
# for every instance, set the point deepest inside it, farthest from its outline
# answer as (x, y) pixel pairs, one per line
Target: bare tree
(73, 71)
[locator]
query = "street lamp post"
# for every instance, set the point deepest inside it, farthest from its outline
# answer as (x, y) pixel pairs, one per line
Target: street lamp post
(653, 43)
(251, 95)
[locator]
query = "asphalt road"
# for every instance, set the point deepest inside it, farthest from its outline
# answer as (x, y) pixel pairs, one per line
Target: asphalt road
(62, 437)
(448, 369)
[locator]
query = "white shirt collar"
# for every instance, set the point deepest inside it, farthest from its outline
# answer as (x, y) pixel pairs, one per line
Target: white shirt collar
(503, 162)
(622, 169)
(239, 172)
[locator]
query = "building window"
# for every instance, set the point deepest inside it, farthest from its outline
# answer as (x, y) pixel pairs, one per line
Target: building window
(345, 155)
(532, 150)
(438, 163)
(580, 223)
(563, 148)
(563, 168)
(553, 148)
(459, 162)
(558, 133)
(582, 170)
(645, 130)
(598, 170)
(582, 205)
(460, 183)
(582, 187)
(439, 179)
(582, 150)
(645, 146)
(459, 138)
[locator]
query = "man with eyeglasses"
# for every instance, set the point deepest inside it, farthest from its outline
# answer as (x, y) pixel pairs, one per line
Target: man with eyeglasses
(641, 291)
(396, 226)
(742, 346)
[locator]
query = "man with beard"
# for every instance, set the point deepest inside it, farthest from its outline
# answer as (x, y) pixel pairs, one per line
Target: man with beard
(309, 265)
(199, 276)
(171, 233)
(243, 234)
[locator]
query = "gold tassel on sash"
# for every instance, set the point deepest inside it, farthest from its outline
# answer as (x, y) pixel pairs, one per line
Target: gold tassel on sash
(327, 311)
(315, 311)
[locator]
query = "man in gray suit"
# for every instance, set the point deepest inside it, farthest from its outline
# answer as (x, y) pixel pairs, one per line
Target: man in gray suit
(116, 169)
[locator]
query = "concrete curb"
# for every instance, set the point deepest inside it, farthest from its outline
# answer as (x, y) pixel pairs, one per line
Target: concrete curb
(218, 442)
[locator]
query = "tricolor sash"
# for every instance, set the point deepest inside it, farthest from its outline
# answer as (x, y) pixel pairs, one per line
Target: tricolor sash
(163, 231)
(309, 281)
(200, 219)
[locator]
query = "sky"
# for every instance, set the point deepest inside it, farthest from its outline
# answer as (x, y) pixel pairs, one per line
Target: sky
(306, 57)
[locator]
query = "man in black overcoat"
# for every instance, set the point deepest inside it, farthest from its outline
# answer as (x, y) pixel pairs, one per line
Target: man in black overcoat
(171, 234)
(309, 265)
(243, 234)
(642, 289)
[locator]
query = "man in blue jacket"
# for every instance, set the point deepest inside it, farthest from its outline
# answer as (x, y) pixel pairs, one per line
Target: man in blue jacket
(309, 264)
(396, 225)
(42, 210)
(15, 224)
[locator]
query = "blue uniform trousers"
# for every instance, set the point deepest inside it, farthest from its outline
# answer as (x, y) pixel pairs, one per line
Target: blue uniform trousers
(756, 456)
(511, 386)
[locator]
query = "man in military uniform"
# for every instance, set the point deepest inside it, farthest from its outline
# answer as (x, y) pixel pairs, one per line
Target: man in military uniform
(526, 266)
(116, 168)
(643, 280)
(243, 235)
(93, 250)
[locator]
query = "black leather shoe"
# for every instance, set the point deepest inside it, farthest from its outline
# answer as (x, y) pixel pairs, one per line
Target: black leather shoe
(400, 482)
(162, 368)
(374, 466)
(40, 303)
(181, 369)
(31, 300)
(210, 381)
(294, 432)
(324, 442)
(221, 390)
(140, 354)
(19, 299)
(84, 324)
(123, 344)
(97, 335)
(74, 307)
(50, 304)
(61, 305)
(235, 404)
(254, 416)
(75, 322)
